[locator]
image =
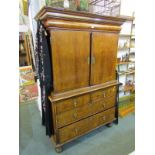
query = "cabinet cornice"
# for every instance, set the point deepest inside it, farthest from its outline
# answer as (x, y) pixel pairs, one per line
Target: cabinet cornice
(62, 18)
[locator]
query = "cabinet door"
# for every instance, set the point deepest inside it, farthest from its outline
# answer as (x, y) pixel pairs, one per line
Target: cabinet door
(104, 55)
(70, 55)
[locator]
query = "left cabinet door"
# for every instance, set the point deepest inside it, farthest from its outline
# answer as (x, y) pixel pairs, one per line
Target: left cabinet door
(70, 59)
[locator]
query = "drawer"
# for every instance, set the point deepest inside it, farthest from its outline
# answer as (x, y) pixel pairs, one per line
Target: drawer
(72, 103)
(74, 115)
(103, 104)
(103, 117)
(104, 93)
(76, 129)
(73, 130)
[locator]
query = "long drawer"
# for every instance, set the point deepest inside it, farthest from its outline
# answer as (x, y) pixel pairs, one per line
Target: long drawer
(85, 111)
(72, 116)
(76, 102)
(79, 128)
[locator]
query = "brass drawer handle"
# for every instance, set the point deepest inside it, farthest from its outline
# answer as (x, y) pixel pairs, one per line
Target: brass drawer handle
(91, 118)
(75, 103)
(76, 131)
(104, 95)
(104, 118)
(104, 105)
(113, 89)
(56, 122)
(112, 115)
(90, 103)
(75, 115)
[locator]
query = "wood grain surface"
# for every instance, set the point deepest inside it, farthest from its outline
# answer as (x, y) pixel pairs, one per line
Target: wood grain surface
(70, 54)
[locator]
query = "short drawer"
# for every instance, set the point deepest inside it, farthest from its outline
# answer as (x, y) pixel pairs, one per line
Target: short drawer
(105, 116)
(79, 128)
(103, 104)
(104, 93)
(69, 104)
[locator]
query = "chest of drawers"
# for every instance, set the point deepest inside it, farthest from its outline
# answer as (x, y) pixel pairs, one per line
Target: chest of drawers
(83, 49)
(75, 116)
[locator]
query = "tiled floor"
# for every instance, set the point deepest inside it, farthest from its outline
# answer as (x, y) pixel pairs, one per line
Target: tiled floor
(117, 140)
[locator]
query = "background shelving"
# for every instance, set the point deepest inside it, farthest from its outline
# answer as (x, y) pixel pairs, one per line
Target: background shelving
(126, 68)
(25, 56)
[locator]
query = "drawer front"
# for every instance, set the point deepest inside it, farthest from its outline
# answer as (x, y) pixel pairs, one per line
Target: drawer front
(74, 115)
(73, 130)
(85, 125)
(72, 103)
(102, 118)
(105, 93)
(103, 104)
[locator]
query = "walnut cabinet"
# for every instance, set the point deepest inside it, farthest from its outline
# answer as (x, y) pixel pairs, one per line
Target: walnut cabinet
(83, 50)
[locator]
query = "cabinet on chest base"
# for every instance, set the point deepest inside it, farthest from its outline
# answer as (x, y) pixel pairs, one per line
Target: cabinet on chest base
(83, 63)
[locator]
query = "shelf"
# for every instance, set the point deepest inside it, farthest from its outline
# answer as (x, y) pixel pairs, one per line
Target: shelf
(123, 63)
(126, 72)
(127, 88)
(121, 73)
(132, 48)
(125, 35)
(132, 68)
(126, 110)
(130, 72)
(126, 98)
(133, 35)
(124, 48)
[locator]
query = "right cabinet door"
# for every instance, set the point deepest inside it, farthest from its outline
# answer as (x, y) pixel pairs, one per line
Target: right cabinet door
(103, 57)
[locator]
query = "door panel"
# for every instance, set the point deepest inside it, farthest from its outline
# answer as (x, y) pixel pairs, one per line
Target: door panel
(70, 52)
(104, 55)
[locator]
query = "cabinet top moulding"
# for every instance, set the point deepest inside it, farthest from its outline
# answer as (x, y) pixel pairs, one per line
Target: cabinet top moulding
(64, 18)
